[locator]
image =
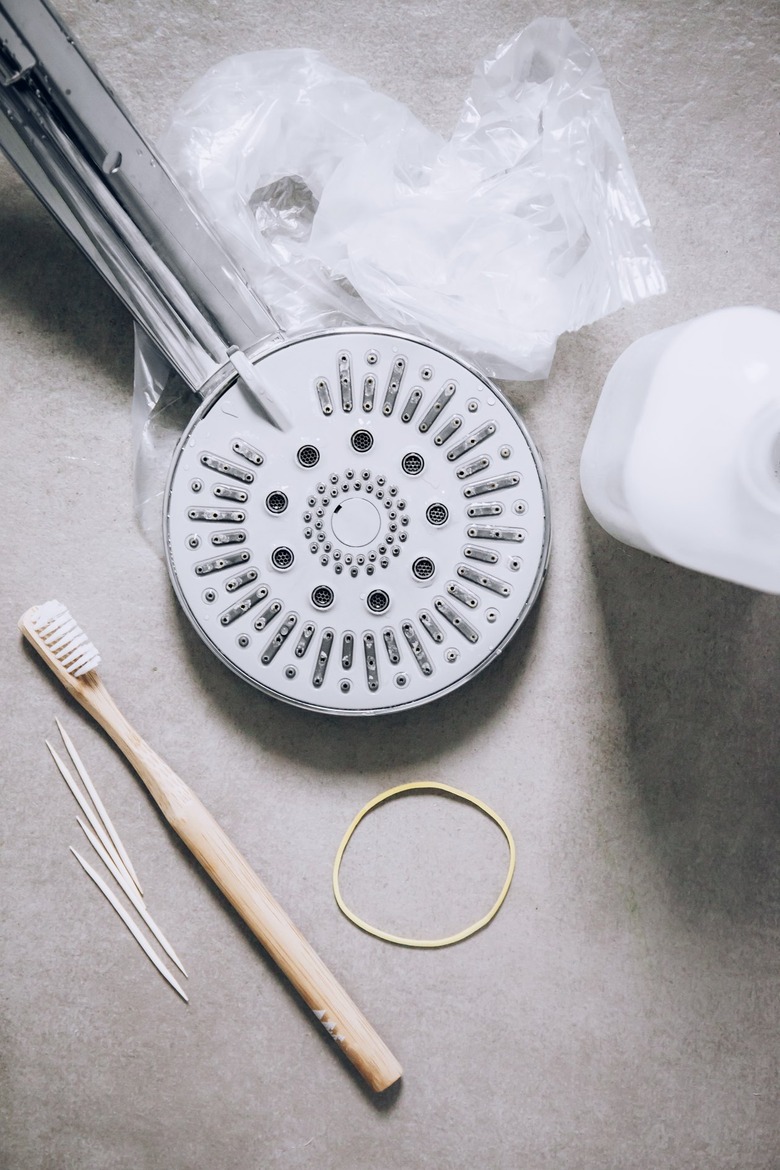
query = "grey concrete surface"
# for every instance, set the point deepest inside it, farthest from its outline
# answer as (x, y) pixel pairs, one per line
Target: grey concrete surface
(622, 1010)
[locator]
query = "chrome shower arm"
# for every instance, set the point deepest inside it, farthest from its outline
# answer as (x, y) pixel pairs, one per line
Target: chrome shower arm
(76, 147)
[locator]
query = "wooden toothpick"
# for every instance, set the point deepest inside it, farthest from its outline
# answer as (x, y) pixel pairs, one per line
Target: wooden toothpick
(131, 926)
(98, 803)
(132, 894)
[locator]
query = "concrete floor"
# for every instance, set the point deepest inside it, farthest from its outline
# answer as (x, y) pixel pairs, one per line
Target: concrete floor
(621, 1011)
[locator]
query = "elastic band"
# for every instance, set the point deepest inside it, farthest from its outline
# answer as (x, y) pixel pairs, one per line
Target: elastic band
(423, 786)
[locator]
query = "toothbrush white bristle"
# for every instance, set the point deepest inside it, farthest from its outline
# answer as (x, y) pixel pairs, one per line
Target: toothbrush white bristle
(65, 639)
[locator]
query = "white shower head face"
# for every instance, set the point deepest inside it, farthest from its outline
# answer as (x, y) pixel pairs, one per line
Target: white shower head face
(379, 552)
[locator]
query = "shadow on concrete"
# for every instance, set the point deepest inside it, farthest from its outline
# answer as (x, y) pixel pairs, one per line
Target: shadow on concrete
(366, 744)
(52, 289)
(697, 662)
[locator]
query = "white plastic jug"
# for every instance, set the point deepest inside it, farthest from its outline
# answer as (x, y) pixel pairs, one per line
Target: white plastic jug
(682, 458)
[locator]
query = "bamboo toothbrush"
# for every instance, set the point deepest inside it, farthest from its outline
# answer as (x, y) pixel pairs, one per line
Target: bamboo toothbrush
(74, 660)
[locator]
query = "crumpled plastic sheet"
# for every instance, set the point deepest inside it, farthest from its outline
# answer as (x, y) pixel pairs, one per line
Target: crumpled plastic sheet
(341, 207)
(162, 407)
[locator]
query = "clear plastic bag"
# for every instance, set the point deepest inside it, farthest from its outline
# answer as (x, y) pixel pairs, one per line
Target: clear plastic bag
(162, 406)
(342, 208)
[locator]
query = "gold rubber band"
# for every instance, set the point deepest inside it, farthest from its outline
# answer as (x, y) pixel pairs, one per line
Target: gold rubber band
(423, 786)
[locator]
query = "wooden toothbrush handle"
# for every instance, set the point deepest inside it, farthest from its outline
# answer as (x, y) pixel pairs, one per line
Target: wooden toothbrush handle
(248, 895)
